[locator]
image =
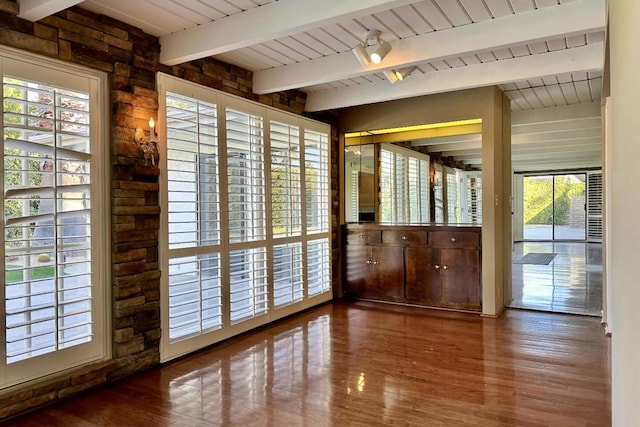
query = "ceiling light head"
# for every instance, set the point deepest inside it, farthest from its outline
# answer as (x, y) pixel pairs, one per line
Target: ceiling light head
(383, 50)
(361, 54)
(391, 76)
(398, 75)
(404, 72)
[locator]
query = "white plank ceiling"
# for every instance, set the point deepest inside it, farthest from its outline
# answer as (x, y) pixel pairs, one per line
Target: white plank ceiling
(545, 54)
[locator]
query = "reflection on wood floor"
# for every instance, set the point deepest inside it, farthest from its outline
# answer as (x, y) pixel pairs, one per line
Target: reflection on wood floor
(571, 283)
(370, 364)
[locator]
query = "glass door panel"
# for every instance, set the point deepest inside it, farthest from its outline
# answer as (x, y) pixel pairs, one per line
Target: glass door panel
(554, 207)
(569, 207)
(538, 207)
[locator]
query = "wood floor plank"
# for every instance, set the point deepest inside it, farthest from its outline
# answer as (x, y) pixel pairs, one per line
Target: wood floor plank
(368, 364)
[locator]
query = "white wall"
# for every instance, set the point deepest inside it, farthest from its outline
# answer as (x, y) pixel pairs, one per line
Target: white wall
(624, 221)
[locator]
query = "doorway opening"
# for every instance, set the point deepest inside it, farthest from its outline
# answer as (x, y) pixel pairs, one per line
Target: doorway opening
(557, 252)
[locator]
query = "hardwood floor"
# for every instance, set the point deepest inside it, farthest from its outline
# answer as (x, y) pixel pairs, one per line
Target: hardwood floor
(368, 364)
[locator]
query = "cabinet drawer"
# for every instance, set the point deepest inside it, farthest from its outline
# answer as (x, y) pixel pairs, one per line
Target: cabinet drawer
(405, 237)
(365, 237)
(454, 239)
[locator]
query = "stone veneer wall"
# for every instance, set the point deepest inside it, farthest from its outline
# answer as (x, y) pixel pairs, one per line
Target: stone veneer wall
(130, 57)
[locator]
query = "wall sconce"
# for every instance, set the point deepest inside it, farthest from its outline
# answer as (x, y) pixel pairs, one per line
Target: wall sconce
(353, 150)
(148, 146)
(398, 75)
(382, 50)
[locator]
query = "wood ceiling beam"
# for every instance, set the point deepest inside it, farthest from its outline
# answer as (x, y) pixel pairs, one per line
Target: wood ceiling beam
(35, 10)
(584, 58)
(267, 22)
(577, 17)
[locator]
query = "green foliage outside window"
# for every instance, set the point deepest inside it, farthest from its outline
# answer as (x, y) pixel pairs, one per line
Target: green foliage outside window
(538, 206)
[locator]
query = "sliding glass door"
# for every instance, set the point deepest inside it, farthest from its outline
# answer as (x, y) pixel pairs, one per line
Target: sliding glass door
(554, 207)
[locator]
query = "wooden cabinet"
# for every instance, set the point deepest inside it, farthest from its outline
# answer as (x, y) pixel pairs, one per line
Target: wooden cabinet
(375, 272)
(436, 266)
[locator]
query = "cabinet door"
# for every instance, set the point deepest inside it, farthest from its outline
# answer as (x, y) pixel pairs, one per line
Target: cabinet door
(423, 276)
(386, 278)
(356, 268)
(460, 275)
(375, 272)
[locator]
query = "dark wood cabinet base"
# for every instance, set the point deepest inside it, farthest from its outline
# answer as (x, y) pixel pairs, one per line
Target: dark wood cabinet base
(424, 265)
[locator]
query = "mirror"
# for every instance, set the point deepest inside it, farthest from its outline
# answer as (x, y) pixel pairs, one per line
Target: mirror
(395, 180)
(360, 193)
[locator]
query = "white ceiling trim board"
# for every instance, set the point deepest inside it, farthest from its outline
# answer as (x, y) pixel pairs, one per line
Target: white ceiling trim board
(584, 58)
(264, 23)
(35, 10)
(577, 17)
(563, 113)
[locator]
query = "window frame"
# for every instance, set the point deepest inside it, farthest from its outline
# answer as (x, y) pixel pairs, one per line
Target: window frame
(51, 72)
(228, 247)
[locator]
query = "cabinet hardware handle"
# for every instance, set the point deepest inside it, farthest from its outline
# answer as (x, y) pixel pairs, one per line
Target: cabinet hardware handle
(437, 267)
(368, 261)
(361, 236)
(404, 237)
(453, 239)
(445, 267)
(375, 262)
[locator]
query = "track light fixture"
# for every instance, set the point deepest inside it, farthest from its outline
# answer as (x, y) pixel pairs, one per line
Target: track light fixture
(361, 54)
(380, 52)
(395, 75)
(360, 50)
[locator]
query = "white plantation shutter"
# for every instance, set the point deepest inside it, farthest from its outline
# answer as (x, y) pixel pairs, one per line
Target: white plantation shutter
(287, 274)
(594, 206)
(195, 293)
(316, 162)
(246, 192)
(318, 266)
(248, 284)
(53, 222)
(47, 206)
(192, 172)
(451, 182)
(418, 189)
(404, 186)
(400, 184)
(474, 197)
(438, 193)
(387, 186)
(245, 169)
(195, 299)
(286, 206)
(355, 195)
(245, 204)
